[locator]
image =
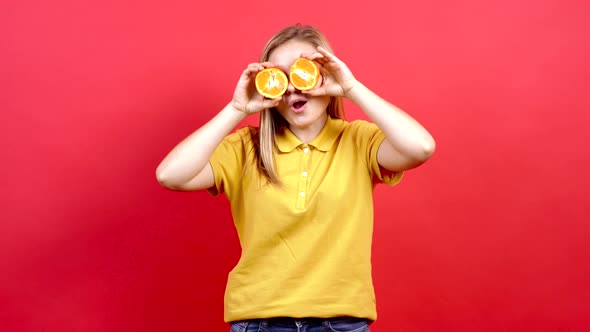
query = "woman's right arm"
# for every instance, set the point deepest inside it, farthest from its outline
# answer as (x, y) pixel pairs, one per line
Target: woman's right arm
(186, 167)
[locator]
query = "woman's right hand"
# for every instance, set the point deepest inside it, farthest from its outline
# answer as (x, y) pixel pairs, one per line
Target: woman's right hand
(246, 99)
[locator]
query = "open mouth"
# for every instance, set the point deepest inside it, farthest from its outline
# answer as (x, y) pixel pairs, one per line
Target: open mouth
(298, 105)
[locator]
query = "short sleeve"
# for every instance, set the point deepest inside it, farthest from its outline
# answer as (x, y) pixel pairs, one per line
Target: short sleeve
(369, 138)
(227, 162)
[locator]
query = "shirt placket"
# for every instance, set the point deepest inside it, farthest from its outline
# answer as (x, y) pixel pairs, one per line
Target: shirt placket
(303, 178)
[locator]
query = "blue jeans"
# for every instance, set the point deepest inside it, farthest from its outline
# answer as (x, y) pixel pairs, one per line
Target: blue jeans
(338, 324)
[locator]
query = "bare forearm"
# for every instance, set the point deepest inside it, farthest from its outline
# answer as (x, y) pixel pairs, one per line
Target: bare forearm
(190, 156)
(403, 132)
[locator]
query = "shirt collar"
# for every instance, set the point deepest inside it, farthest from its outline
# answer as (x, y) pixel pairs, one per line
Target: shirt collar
(287, 141)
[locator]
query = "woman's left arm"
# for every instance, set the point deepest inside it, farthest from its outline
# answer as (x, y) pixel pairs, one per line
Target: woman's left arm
(407, 143)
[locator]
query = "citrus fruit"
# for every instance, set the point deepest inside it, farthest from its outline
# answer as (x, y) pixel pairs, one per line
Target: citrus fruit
(304, 74)
(271, 82)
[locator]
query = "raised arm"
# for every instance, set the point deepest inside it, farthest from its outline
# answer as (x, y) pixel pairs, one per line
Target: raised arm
(186, 167)
(407, 143)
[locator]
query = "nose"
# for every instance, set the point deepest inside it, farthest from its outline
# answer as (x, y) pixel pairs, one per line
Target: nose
(291, 88)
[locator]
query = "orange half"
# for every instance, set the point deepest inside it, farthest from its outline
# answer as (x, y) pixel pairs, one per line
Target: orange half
(304, 74)
(271, 82)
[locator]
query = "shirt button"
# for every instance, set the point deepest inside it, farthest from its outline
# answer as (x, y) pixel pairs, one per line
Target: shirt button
(302, 194)
(304, 173)
(306, 150)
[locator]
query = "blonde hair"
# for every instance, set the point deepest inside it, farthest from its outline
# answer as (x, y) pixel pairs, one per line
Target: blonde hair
(271, 122)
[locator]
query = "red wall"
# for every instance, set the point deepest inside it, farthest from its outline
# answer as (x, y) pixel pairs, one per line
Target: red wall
(489, 235)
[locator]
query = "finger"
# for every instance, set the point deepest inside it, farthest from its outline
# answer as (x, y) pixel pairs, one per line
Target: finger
(253, 68)
(329, 56)
(270, 103)
(255, 104)
(312, 56)
(257, 66)
(318, 91)
(324, 51)
(268, 64)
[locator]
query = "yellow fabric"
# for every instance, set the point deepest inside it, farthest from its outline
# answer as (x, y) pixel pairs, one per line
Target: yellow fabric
(306, 245)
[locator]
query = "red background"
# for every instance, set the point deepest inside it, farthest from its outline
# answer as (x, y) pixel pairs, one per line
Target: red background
(489, 235)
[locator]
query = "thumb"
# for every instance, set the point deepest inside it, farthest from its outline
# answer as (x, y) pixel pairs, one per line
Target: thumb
(270, 103)
(316, 92)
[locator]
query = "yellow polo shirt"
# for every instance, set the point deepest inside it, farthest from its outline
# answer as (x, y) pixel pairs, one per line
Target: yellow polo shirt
(306, 244)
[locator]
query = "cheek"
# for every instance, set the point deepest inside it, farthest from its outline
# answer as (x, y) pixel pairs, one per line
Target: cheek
(283, 106)
(282, 109)
(321, 102)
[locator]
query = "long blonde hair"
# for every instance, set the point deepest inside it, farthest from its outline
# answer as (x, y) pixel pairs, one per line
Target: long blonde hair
(271, 122)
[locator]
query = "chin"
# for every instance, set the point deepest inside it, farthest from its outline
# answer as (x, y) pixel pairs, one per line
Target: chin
(300, 123)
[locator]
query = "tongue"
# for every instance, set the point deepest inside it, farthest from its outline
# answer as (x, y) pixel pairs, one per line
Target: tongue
(298, 105)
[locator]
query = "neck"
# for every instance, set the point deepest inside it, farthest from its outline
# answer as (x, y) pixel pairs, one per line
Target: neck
(308, 133)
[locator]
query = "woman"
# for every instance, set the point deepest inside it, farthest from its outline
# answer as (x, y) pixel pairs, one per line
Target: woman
(300, 188)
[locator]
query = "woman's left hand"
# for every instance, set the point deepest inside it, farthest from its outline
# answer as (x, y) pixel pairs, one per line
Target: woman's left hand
(336, 78)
